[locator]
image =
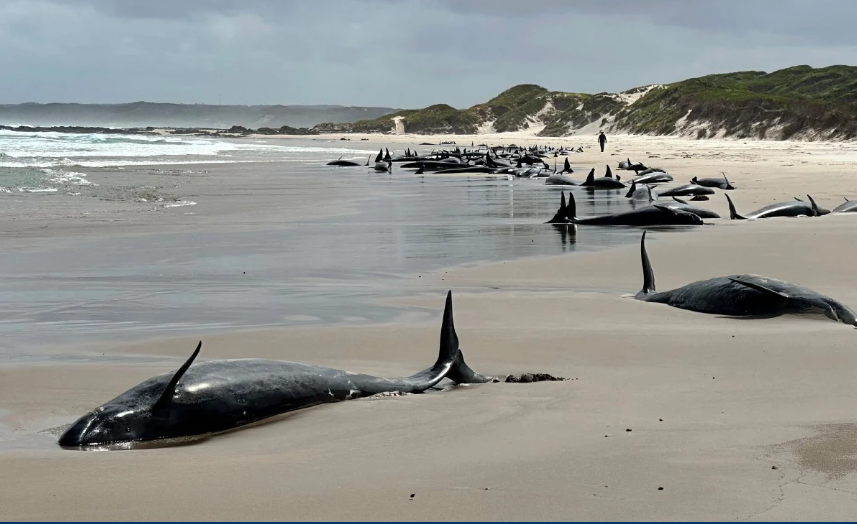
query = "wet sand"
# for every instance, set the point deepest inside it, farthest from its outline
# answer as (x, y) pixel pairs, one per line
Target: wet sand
(734, 419)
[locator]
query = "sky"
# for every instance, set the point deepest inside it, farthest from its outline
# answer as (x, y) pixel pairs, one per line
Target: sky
(396, 53)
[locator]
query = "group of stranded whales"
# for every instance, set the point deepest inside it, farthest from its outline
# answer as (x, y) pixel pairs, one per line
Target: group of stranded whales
(211, 397)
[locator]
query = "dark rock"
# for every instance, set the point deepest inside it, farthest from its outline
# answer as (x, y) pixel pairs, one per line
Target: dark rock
(533, 377)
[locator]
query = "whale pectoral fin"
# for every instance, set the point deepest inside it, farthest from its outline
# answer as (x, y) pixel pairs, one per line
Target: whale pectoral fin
(759, 287)
(668, 209)
(830, 313)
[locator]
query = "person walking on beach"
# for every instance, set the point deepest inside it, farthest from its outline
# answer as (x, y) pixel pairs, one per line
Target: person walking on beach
(602, 140)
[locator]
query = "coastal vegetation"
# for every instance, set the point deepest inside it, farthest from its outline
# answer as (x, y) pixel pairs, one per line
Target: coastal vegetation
(796, 102)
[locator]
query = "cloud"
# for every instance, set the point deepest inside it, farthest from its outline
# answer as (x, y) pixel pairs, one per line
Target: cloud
(401, 54)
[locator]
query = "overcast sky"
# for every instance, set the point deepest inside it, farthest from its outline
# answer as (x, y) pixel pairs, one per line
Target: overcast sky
(396, 53)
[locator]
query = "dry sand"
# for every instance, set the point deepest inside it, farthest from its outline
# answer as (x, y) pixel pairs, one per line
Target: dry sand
(734, 419)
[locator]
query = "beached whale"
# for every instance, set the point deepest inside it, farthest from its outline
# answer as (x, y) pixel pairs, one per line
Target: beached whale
(719, 183)
(558, 179)
(821, 211)
(796, 208)
(678, 203)
(344, 163)
(626, 164)
(384, 167)
(849, 206)
(653, 177)
(643, 192)
(653, 215)
(742, 295)
(688, 190)
(604, 182)
(219, 395)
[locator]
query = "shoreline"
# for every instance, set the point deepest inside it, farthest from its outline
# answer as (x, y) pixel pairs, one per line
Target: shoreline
(700, 405)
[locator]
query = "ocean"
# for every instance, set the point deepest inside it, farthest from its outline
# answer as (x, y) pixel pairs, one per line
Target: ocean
(328, 268)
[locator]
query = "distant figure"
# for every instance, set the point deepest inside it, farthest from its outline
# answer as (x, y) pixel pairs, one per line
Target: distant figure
(602, 140)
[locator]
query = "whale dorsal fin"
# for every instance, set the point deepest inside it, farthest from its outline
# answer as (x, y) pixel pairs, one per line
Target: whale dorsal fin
(649, 189)
(759, 287)
(846, 199)
(571, 208)
(733, 213)
(609, 173)
(693, 180)
(630, 192)
(167, 396)
(590, 178)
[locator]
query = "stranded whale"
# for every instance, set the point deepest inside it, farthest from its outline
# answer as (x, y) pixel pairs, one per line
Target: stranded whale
(742, 295)
(220, 395)
(782, 209)
(653, 215)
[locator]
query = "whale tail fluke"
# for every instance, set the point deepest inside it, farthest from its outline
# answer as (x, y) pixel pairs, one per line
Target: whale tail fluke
(462, 374)
(733, 214)
(815, 210)
(648, 274)
(561, 214)
(450, 354)
(448, 337)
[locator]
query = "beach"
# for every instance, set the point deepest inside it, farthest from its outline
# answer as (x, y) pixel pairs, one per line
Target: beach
(667, 414)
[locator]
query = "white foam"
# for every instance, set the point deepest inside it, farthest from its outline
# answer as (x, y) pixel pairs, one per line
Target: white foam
(181, 203)
(37, 189)
(68, 177)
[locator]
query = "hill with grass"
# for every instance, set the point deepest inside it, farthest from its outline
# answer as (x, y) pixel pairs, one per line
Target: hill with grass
(799, 102)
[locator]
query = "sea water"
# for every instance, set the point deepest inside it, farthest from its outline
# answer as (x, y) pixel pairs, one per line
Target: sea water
(336, 270)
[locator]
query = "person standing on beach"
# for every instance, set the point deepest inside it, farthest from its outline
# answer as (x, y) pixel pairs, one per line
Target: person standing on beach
(602, 140)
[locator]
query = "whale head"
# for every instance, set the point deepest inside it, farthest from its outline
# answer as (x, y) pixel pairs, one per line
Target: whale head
(140, 414)
(110, 424)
